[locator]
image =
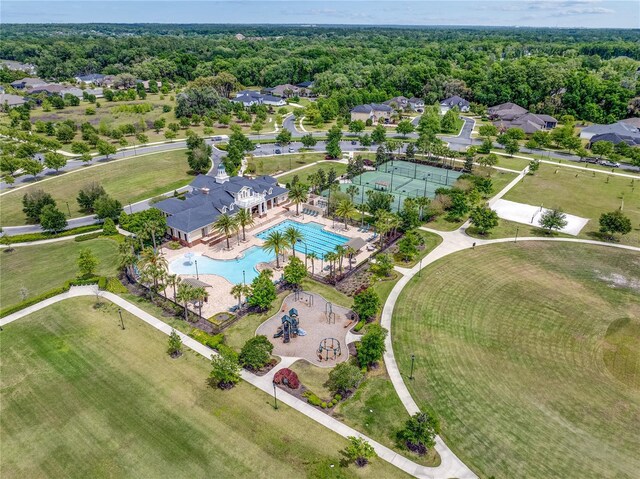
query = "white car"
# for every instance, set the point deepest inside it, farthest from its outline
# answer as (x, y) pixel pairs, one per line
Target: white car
(258, 145)
(610, 164)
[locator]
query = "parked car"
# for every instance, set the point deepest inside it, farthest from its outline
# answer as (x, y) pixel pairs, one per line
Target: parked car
(354, 142)
(291, 150)
(278, 151)
(593, 161)
(258, 145)
(610, 164)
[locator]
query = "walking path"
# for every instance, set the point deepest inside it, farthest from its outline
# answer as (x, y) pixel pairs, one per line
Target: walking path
(264, 383)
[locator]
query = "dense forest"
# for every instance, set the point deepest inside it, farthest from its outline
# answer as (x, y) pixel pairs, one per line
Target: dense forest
(590, 74)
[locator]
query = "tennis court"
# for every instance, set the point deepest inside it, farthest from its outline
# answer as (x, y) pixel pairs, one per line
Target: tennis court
(403, 180)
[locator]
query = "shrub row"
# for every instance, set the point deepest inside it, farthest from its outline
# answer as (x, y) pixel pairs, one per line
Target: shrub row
(29, 237)
(89, 236)
(47, 294)
(314, 400)
(207, 339)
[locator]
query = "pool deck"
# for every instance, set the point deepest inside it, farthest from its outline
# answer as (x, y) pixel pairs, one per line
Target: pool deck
(220, 298)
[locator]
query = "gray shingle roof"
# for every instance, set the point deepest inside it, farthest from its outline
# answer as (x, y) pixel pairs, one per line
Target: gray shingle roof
(620, 128)
(454, 101)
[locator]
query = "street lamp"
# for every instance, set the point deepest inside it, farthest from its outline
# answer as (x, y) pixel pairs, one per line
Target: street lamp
(420, 269)
(243, 277)
(121, 321)
(413, 359)
(516, 238)
(275, 398)
(196, 263)
(68, 209)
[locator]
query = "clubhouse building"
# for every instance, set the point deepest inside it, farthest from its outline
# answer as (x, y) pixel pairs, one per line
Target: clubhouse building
(190, 220)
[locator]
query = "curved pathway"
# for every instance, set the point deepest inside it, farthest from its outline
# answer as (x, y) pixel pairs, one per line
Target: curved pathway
(264, 383)
(452, 242)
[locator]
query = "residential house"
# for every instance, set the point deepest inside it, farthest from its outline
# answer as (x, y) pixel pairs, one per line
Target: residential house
(416, 104)
(398, 102)
(252, 97)
(49, 89)
(506, 112)
(28, 83)
(621, 128)
(615, 138)
(18, 66)
(7, 100)
(285, 91)
(72, 90)
(191, 220)
(454, 102)
(635, 122)
(529, 123)
(92, 78)
(375, 112)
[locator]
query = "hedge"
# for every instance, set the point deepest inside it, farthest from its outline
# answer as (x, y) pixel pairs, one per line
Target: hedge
(207, 339)
(88, 236)
(29, 237)
(48, 294)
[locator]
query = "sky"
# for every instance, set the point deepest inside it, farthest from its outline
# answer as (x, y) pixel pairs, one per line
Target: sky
(535, 13)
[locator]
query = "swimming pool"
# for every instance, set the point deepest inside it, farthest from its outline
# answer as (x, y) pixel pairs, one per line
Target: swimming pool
(316, 238)
(230, 269)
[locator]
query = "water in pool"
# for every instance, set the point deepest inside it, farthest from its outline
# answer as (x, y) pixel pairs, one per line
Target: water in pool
(316, 239)
(230, 269)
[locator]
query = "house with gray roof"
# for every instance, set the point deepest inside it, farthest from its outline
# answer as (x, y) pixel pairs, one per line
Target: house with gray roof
(92, 78)
(190, 220)
(252, 97)
(529, 123)
(28, 83)
(620, 128)
(506, 112)
(376, 112)
(7, 101)
(615, 138)
(454, 102)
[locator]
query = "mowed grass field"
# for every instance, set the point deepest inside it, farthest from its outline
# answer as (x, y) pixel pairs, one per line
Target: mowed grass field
(82, 398)
(304, 173)
(529, 354)
(130, 180)
(582, 193)
(39, 268)
(271, 165)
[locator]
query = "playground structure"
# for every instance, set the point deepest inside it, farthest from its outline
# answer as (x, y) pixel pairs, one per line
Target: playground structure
(290, 326)
(330, 349)
(326, 329)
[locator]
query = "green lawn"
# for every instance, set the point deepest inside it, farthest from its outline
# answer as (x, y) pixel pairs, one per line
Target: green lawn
(340, 168)
(281, 163)
(39, 268)
(129, 180)
(581, 193)
(374, 408)
(82, 398)
(528, 354)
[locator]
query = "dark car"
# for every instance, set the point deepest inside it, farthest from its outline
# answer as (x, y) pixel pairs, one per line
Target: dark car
(354, 142)
(278, 151)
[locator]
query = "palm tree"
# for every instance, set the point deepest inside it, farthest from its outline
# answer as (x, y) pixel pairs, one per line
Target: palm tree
(340, 252)
(152, 229)
(312, 256)
(239, 290)
(275, 243)
(350, 252)
(127, 258)
(200, 294)
(423, 203)
(346, 210)
(330, 258)
(293, 235)
(298, 194)
(153, 264)
(226, 225)
(244, 219)
(352, 191)
(173, 280)
(185, 294)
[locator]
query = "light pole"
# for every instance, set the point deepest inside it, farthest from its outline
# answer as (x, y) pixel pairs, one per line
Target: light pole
(68, 209)
(243, 277)
(420, 269)
(121, 321)
(413, 359)
(516, 238)
(196, 262)
(275, 398)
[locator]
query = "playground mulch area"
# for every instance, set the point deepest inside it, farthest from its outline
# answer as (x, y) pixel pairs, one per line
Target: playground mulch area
(313, 320)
